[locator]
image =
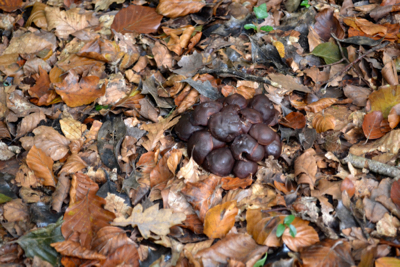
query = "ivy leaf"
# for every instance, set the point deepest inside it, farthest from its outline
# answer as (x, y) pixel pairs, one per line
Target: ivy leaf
(267, 28)
(260, 262)
(250, 26)
(280, 229)
(328, 51)
(289, 219)
(261, 11)
(292, 230)
(37, 242)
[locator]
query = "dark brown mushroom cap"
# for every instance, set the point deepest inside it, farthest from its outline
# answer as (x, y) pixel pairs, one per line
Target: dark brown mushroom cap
(257, 154)
(225, 126)
(262, 104)
(219, 161)
(275, 148)
(243, 143)
(262, 133)
(231, 108)
(251, 115)
(236, 99)
(199, 145)
(184, 128)
(202, 112)
(242, 169)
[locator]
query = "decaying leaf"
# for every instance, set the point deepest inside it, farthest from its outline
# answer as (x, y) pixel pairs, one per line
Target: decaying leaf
(117, 205)
(323, 123)
(179, 8)
(50, 142)
(374, 126)
(72, 128)
(294, 120)
(306, 167)
(42, 165)
(190, 172)
(220, 219)
(151, 220)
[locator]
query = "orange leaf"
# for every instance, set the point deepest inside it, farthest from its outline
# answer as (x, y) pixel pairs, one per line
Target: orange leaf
(42, 165)
(109, 238)
(328, 253)
(86, 217)
(394, 116)
(10, 5)
(84, 92)
(81, 185)
(41, 90)
(220, 219)
(73, 164)
(320, 104)
(305, 237)
(229, 183)
(347, 185)
(372, 125)
(125, 255)
(139, 19)
(395, 193)
(74, 249)
(323, 123)
(262, 226)
(161, 172)
(294, 120)
(179, 8)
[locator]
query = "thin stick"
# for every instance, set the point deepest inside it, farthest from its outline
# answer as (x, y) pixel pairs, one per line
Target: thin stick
(373, 165)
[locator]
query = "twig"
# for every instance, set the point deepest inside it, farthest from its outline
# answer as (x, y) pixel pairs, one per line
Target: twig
(348, 62)
(235, 73)
(373, 165)
(346, 69)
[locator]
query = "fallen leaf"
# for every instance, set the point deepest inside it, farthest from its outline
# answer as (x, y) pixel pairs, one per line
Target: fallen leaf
(322, 123)
(117, 205)
(42, 165)
(74, 164)
(326, 23)
(10, 5)
(109, 239)
(86, 217)
(394, 116)
(26, 177)
(104, 4)
(161, 172)
(305, 237)
(38, 16)
(174, 159)
(190, 172)
(348, 186)
(240, 247)
(372, 125)
(74, 249)
(156, 131)
(41, 91)
(294, 120)
(116, 90)
(139, 19)
(387, 262)
(61, 192)
(51, 142)
(220, 219)
(15, 211)
(4, 132)
(320, 105)
(179, 8)
(229, 183)
(385, 99)
(306, 167)
(395, 193)
(29, 123)
(77, 93)
(262, 227)
(162, 56)
(152, 219)
(388, 225)
(38, 242)
(358, 94)
(328, 51)
(125, 255)
(330, 253)
(68, 22)
(386, 144)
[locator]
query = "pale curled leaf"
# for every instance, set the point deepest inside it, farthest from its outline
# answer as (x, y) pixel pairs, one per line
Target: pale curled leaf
(72, 128)
(174, 159)
(117, 205)
(190, 172)
(151, 220)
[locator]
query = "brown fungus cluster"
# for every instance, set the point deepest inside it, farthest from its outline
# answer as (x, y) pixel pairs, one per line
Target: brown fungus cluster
(231, 134)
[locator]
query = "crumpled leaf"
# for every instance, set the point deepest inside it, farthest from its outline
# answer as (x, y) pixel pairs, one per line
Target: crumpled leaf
(43, 95)
(322, 123)
(16, 210)
(38, 16)
(179, 8)
(220, 219)
(29, 123)
(51, 142)
(162, 56)
(75, 92)
(294, 120)
(61, 192)
(74, 249)
(68, 22)
(10, 5)
(190, 172)
(387, 144)
(174, 159)
(306, 167)
(139, 19)
(152, 219)
(394, 116)
(73, 164)
(239, 247)
(42, 165)
(72, 128)
(109, 238)
(125, 255)
(384, 99)
(37, 242)
(104, 4)
(117, 205)
(156, 130)
(326, 24)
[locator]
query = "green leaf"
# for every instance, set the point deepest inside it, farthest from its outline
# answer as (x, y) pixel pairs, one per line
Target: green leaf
(260, 262)
(37, 242)
(328, 51)
(267, 28)
(250, 26)
(4, 198)
(305, 3)
(100, 107)
(292, 230)
(289, 219)
(280, 229)
(261, 11)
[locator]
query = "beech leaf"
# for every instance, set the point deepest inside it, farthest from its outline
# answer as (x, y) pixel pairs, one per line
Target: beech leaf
(384, 99)
(220, 219)
(322, 123)
(294, 120)
(179, 8)
(373, 126)
(42, 165)
(328, 51)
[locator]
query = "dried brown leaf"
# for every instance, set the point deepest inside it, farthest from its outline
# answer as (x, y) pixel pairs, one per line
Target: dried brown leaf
(4, 132)
(151, 220)
(42, 165)
(179, 8)
(220, 219)
(190, 172)
(294, 120)
(10, 5)
(174, 159)
(43, 95)
(16, 210)
(74, 249)
(30, 122)
(72, 128)
(73, 164)
(322, 123)
(373, 126)
(51, 142)
(61, 192)
(384, 99)
(305, 237)
(162, 56)
(26, 177)
(117, 205)
(326, 23)
(394, 116)
(320, 104)
(305, 167)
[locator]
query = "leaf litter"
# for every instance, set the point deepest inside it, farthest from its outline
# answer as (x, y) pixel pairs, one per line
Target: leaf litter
(92, 172)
